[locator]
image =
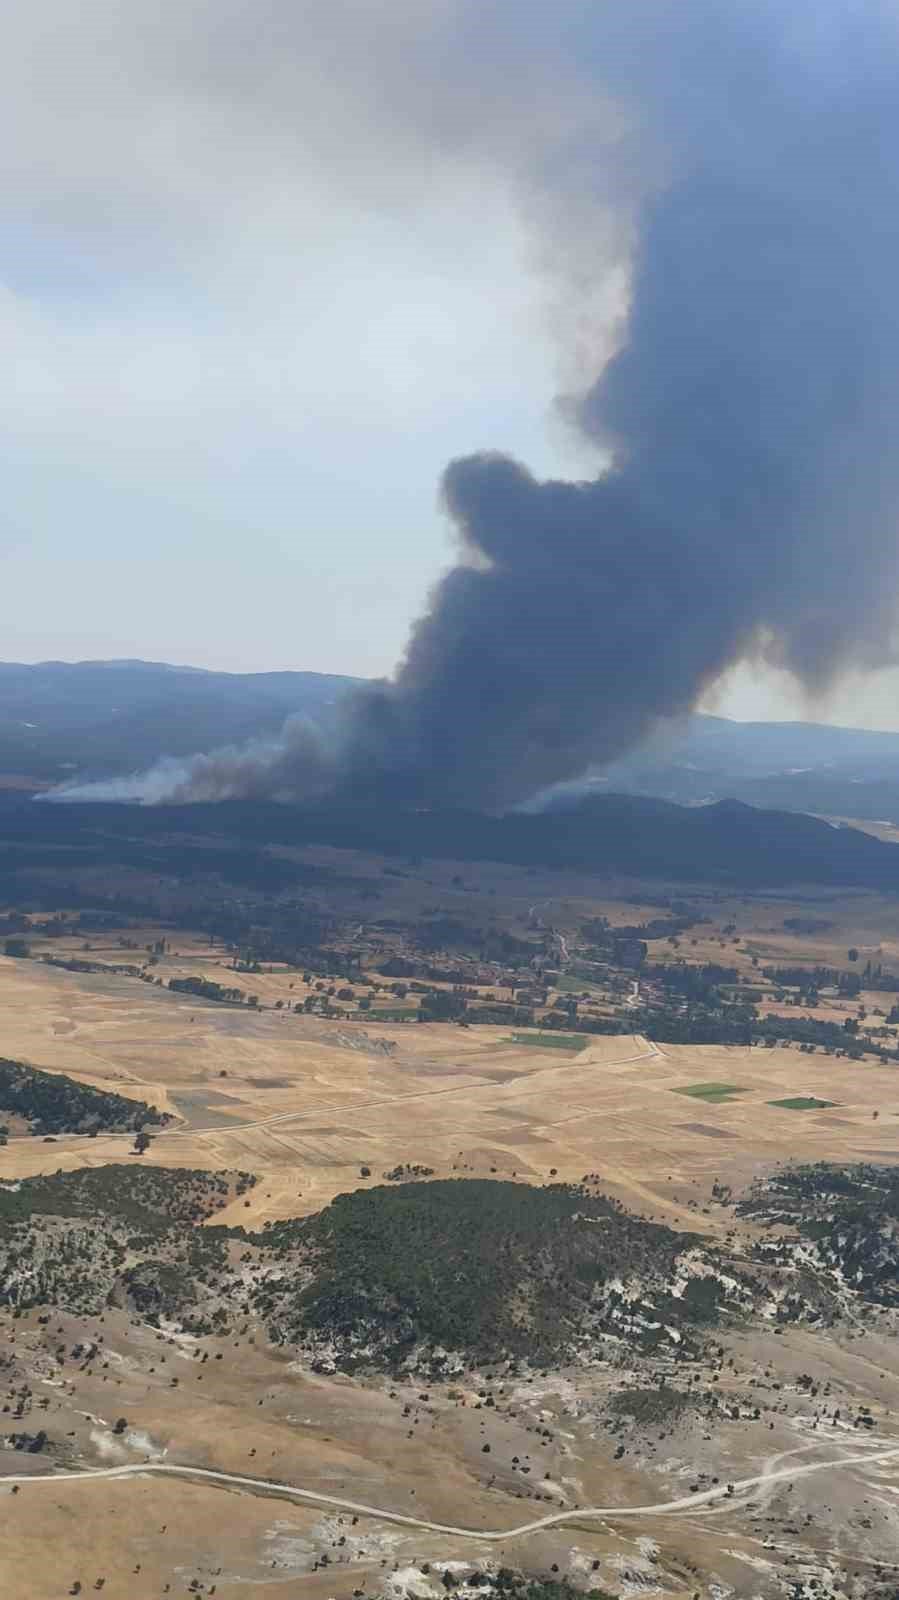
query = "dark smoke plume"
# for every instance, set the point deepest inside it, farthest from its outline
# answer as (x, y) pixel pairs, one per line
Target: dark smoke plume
(750, 508)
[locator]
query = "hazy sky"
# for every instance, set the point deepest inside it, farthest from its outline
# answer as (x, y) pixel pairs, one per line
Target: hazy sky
(257, 286)
(241, 336)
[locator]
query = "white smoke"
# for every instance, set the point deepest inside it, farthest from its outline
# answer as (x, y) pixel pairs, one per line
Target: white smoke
(296, 764)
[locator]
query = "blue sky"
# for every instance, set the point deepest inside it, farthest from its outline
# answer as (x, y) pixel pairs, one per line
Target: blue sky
(261, 276)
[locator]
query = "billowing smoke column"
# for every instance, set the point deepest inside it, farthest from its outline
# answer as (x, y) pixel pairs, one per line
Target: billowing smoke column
(750, 508)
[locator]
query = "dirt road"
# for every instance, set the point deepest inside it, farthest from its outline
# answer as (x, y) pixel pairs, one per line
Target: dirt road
(687, 1503)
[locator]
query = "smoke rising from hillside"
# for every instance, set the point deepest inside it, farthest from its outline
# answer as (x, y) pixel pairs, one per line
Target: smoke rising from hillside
(748, 157)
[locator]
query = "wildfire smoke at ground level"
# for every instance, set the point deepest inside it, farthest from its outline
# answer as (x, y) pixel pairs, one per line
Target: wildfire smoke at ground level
(751, 504)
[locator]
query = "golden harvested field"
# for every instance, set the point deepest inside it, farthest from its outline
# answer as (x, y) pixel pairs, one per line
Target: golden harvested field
(249, 1409)
(306, 1103)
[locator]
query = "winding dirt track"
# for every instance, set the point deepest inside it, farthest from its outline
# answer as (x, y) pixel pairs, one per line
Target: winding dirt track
(265, 1486)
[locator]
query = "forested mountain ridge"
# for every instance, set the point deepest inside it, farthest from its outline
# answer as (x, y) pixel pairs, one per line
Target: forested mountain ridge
(727, 842)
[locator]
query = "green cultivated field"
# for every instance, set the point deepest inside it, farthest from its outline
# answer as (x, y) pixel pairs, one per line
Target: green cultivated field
(711, 1091)
(550, 1041)
(803, 1102)
(566, 985)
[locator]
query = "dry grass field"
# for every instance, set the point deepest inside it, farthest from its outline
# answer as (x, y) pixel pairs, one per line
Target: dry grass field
(412, 1452)
(443, 1455)
(306, 1103)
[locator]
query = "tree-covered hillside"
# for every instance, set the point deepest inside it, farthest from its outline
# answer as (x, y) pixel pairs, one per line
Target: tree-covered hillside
(847, 1216)
(482, 1267)
(50, 1102)
(433, 1277)
(118, 1234)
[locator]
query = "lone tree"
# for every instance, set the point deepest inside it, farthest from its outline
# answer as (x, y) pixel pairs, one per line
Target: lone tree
(142, 1141)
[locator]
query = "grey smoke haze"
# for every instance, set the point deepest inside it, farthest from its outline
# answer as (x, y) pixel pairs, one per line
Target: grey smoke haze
(745, 160)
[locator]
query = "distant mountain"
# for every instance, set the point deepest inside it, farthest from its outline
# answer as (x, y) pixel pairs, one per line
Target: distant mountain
(793, 766)
(760, 749)
(96, 719)
(101, 718)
